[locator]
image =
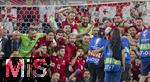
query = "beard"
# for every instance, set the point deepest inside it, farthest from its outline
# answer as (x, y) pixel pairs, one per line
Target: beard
(133, 35)
(95, 34)
(85, 24)
(86, 78)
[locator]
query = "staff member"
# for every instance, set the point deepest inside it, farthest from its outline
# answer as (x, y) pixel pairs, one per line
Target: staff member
(114, 58)
(144, 44)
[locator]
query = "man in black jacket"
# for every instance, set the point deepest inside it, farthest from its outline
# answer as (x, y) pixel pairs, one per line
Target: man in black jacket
(12, 44)
(2, 45)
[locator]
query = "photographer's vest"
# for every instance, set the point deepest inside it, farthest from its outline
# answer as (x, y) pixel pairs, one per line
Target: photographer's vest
(111, 64)
(144, 45)
(126, 46)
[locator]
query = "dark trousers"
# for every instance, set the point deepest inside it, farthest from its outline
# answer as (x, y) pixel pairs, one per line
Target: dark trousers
(101, 75)
(96, 72)
(126, 74)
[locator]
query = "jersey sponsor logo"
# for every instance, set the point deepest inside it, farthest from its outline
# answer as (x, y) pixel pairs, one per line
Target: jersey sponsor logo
(145, 53)
(98, 55)
(144, 46)
(111, 67)
(91, 59)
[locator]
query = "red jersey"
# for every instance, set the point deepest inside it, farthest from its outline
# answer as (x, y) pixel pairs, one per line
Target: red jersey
(60, 42)
(70, 51)
(140, 30)
(135, 70)
(60, 67)
(42, 41)
(135, 67)
(79, 64)
(73, 26)
(52, 57)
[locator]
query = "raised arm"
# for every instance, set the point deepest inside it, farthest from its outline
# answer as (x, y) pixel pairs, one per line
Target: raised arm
(74, 59)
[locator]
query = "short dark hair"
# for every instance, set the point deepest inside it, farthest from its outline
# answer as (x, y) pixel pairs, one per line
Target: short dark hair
(118, 15)
(139, 18)
(86, 16)
(59, 31)
(86, 70)
(86, 35)
(49, 31)
(105, 18)
(58, 48)
(131, 27)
